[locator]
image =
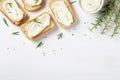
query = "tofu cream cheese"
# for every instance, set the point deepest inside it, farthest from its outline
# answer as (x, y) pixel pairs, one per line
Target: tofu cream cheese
(91, 6)
(62, 13)
(38, 25)
(12, 10)
(33, 3)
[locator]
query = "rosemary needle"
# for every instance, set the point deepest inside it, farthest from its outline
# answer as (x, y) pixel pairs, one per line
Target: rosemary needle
(35, 20)
(60, 35)
(15, 33)
(10, 4)
(73, 2)
(40, 44)
(5, 21)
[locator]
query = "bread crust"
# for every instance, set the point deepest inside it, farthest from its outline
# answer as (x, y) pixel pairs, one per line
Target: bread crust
(35, 8)
(14, 22)
(69, 7)
(51, 26)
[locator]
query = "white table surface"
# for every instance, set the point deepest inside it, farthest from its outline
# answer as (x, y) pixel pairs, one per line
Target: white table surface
(84, 56)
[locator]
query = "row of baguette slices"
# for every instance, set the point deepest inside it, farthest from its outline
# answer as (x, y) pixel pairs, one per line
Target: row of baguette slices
(41, 24)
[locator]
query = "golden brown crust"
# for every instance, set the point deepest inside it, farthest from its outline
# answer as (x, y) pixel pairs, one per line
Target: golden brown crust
(70, 8)
(23, 27)
(15, 23)
(32, 9)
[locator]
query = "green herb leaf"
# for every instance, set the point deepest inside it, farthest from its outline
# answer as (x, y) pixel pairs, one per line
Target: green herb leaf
(109, 17)
(60, 35)
(40, 44)
(10, 4)
(36, 1)
(73, 2)
(15, 33)
(35, 20)
(5, 21)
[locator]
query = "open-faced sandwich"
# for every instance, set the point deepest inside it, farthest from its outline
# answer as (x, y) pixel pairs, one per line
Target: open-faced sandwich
(38, 26)
(63, 12)
(12, 10)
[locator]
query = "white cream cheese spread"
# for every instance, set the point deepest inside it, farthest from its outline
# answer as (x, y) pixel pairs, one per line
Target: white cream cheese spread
(62, 13)
(33, 3)
(38, 25)
(91, 5)
(12, 10)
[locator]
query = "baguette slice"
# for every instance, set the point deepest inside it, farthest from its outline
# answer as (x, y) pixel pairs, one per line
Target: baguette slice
(65, 14)
(32, 29)
(33, 7)
(9, 8)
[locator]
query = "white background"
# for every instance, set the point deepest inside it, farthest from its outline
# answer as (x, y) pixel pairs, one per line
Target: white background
(84, 56)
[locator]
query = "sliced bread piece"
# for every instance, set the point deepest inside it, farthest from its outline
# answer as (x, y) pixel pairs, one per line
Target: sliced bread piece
(12, 10)
(63, 12)
(38, 26)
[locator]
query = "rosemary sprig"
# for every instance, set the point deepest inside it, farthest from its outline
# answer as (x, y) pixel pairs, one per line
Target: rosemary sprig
(98, 21)
(117, 24)
(109, 17)
(115, 31)
(103, 15)
(107, 21)
(15, 33)
(40, 44)
(60, 35)
(5, 21)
